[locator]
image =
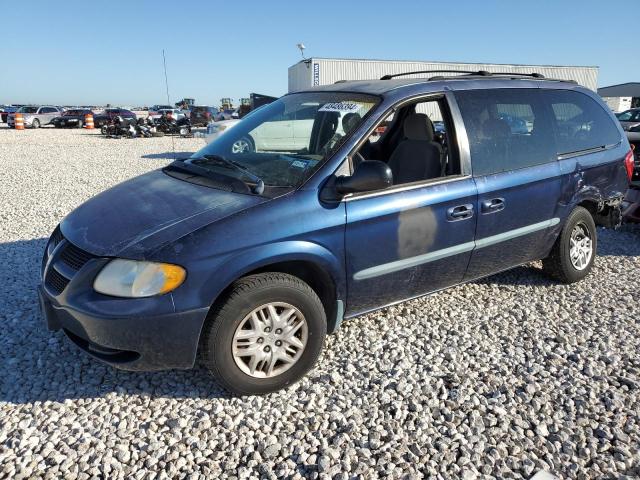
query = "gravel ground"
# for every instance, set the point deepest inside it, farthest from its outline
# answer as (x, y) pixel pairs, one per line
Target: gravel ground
(499, 378)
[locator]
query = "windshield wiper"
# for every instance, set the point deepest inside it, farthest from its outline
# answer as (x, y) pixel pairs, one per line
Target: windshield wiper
(259, 183)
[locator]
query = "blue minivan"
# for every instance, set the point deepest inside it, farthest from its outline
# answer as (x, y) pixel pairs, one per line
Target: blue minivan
(249, 252)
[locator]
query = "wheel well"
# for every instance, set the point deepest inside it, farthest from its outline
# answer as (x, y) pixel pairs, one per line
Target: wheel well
(310, 273)
(607, 214)
(591, 206)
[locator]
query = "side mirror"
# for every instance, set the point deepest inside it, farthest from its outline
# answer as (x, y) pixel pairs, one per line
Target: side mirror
(368, 175)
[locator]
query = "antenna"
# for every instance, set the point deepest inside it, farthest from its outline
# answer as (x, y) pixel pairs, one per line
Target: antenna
(301, 47)
(166, 84)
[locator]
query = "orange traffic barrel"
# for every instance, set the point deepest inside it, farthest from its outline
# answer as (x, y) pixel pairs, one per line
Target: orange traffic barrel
(88, 121)
(19, 121)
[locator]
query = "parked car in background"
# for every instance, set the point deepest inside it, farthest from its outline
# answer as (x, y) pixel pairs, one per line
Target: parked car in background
(5, 111)
(176, 113)
(226, 114)
(154, 109)
(217, 129)
(34, 116)
(202, 114)
(73, 117)
(109, 114)
(629, 118)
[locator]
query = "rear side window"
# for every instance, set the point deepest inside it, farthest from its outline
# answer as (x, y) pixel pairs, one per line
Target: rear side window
(581, 123)
(508, 129)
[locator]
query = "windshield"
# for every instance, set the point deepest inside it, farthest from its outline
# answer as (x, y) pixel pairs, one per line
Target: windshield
(624, 115)
(284, 142)
(70, 113)
(28, 110)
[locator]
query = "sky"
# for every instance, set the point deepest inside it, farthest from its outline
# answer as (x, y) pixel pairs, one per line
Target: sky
(78, 52)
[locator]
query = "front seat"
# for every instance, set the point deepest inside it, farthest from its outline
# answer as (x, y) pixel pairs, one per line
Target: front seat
(417, 156)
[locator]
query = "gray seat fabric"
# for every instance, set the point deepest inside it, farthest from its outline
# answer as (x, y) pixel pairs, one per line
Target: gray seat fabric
(417, 157)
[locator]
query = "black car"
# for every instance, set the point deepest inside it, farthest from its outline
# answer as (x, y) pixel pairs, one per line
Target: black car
(202, 114)
(72, 118)
(110, 113)
(6, 110)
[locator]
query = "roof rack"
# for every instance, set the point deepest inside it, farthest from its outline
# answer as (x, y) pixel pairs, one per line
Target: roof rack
(389, 77)
(477, 74)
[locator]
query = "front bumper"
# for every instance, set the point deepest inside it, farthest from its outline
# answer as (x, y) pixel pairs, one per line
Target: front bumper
(130, 342)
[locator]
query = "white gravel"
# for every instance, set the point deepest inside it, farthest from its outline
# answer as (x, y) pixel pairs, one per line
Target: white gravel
(499, 378)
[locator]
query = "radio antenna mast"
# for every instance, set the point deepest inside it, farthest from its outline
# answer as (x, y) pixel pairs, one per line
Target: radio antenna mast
(166, 84)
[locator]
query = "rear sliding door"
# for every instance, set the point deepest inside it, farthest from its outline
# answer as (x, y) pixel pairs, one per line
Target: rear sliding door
(516, 172)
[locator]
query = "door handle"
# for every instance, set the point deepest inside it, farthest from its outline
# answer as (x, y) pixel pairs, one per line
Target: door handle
(460, 212)
(493, 205)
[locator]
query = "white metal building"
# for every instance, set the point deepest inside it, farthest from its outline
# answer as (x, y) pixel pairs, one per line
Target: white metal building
(621, 97)
(324, 71)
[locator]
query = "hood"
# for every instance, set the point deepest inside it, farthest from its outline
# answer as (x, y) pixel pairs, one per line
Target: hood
(136, 217)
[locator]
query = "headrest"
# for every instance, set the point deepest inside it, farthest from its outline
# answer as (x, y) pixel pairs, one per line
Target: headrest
(495, 128)
(349, 121)
(418, 126)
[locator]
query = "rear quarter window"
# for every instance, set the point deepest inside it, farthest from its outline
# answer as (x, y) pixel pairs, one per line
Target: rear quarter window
(581, 123)
(508, 129)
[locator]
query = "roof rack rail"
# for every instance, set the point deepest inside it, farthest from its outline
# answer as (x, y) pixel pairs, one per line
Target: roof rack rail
(390, 76)
(479, 73)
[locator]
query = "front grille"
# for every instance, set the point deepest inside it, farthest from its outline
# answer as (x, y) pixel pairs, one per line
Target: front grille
(74, 257)
(56, 238)
(71, 256)
(55, 282)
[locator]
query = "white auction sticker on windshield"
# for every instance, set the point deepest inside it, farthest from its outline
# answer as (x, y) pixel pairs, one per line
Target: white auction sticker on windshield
(342, 107)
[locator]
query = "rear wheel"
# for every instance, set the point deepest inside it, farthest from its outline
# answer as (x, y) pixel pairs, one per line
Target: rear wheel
(573, 254)
(265, 335)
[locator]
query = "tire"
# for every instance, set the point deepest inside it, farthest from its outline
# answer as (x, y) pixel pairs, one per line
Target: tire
(256, 292)
(103, 130)
(243, 145)
(35, 123)
(560, 264)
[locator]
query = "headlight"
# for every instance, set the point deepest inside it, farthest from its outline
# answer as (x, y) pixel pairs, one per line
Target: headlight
(133, 279)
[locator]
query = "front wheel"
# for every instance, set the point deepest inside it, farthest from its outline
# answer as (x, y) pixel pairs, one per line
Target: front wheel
(265, 335)
(243, 145)
(35, 123)
(574, 252)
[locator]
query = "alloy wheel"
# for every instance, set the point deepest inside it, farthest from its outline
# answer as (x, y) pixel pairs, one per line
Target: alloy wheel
(580, 246)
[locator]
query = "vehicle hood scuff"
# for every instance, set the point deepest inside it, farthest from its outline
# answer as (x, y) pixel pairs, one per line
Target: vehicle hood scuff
(137, 216)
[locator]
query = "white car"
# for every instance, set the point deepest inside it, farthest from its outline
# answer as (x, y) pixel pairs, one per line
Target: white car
(176, 113)
(280, 134)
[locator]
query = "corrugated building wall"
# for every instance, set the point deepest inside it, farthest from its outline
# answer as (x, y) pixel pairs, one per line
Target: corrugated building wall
(324, 71)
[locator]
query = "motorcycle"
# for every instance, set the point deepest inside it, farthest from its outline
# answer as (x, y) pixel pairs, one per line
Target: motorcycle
(169, 125)
(146, 128)
(119, 127)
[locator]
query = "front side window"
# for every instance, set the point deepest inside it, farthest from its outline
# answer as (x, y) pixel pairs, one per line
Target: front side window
(28, 110)
(416, 141)
(581, 123)
(284, 142)
(508, 129)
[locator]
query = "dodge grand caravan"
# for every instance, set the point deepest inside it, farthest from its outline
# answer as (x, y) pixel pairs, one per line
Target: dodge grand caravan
(247, 257)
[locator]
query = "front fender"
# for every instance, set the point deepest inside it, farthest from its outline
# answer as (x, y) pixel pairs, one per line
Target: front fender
(262, 256)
